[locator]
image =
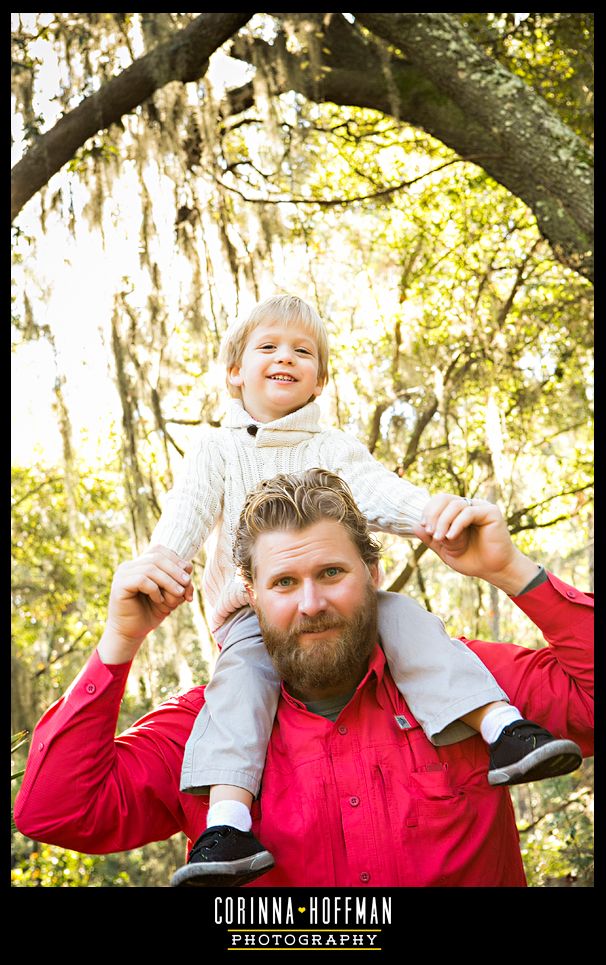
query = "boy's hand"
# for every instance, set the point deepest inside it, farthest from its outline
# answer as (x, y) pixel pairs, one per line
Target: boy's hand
(144, 591)
(472, 538)
(444, 517)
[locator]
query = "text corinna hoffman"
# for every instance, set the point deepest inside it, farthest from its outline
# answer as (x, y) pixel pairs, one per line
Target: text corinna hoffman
(336, 911)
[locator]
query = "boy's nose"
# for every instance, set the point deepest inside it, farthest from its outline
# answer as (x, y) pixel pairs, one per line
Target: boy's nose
(285, 354)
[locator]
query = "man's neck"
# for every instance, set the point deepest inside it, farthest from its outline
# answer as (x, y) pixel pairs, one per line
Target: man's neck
(342, 689)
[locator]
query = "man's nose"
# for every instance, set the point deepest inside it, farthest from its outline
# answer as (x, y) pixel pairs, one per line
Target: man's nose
(312, 600)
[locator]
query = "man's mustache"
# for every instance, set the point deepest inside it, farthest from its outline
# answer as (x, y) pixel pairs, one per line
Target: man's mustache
(316, 625)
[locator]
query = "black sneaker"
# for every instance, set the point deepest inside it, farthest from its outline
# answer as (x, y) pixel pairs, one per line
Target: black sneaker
(223, 855)
(524, 751)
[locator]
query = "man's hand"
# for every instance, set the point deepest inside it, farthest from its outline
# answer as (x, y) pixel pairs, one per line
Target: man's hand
(144, 591)
(474, 540)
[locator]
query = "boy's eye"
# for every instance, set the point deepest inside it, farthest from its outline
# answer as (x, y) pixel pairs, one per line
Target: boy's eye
(305, 351)
(269, 345)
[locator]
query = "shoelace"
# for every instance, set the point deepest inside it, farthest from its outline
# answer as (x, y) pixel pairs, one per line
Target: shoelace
(212, 837)
(521, 732)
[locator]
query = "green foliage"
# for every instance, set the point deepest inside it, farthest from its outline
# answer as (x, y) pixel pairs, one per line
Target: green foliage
(66, 545)
(551, 52)
(17, 741)
(555, 821)
(461, 353)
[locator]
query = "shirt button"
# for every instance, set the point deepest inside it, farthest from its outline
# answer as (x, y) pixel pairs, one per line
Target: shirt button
(90, 688)
(354, 801)
(365, 876)
(41, 746)
(571, 594)
(342, 729)
(252, 430)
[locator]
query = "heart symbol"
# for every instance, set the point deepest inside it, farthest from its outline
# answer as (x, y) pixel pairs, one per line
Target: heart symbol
(301, 910)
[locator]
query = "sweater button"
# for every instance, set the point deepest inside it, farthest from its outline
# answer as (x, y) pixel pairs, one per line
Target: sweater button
(41, 746)
(342, 729)
(354, 801)
(365, 876)
(571, 594)
(90, 688)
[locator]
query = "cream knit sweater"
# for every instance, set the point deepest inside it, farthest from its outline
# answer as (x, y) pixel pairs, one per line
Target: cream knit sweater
(224, 464)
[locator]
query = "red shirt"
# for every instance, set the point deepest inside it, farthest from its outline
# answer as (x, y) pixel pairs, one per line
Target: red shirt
(353, 803)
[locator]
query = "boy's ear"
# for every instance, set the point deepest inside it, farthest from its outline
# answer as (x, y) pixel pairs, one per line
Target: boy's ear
(234, 376)
(321, 384)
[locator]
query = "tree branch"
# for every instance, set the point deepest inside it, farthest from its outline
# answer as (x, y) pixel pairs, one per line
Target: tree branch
(556, 810)
(61, 655)
(331, 202)
(520, 513)
(32, 492)
(400, 581)
(559, 190)
(183, 58)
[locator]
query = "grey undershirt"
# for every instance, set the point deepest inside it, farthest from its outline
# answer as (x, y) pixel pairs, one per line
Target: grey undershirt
(331, 707)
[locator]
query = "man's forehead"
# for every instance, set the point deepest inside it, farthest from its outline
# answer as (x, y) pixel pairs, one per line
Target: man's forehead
(327, 541)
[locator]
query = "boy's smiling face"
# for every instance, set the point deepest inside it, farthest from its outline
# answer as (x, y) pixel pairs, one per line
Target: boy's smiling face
(278, 373)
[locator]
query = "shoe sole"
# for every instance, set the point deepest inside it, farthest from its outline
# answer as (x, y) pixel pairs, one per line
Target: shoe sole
(551, 760)
(229, 874)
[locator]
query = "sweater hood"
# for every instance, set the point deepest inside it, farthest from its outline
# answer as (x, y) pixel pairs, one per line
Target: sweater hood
(291, 429)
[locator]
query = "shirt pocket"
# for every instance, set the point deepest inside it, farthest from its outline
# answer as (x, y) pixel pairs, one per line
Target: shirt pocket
(434, 798)
(440, 827)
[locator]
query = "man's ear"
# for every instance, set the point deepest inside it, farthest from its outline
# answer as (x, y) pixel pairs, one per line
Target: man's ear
(234, 376)
(252, 596)
(375, 575)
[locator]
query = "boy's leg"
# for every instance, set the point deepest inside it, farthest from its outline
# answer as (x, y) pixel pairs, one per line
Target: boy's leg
(225, 755)
(229, 739)
(453, 695)
(440, 678)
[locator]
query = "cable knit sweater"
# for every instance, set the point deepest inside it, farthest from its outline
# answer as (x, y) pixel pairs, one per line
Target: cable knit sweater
(224, 464)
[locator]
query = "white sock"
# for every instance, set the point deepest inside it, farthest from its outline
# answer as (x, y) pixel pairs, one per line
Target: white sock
(233, 813)
(496, 719)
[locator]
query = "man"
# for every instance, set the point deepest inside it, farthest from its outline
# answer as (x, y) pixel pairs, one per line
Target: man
(353, 792)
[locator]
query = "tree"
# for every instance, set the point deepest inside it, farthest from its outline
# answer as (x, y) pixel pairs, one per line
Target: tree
(423, 68)
(460, 344)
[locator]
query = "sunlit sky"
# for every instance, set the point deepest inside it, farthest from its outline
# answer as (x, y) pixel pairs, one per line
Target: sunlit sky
(74, 283)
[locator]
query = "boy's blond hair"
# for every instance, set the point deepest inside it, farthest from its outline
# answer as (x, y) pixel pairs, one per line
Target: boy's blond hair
(283, 310)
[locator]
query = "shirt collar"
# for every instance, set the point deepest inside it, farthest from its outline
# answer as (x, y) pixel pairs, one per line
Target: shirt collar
(374, 673)
(289, 430)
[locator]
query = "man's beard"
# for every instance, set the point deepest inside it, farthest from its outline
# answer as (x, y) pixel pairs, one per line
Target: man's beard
(323, 663)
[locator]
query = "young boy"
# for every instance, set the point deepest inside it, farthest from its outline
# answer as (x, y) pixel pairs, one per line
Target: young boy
(277, 364)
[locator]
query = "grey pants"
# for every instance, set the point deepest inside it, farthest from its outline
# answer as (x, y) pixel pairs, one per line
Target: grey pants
(439, 677)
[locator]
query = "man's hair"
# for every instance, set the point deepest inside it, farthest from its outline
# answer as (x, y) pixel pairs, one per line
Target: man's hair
(283, 310)
(294, 501)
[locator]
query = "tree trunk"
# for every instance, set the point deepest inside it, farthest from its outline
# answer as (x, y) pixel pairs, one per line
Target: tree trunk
(534, 154)
(448, 87)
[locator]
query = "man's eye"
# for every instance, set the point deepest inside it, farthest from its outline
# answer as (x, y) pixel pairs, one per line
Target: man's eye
(333, 570)
(284, 581)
